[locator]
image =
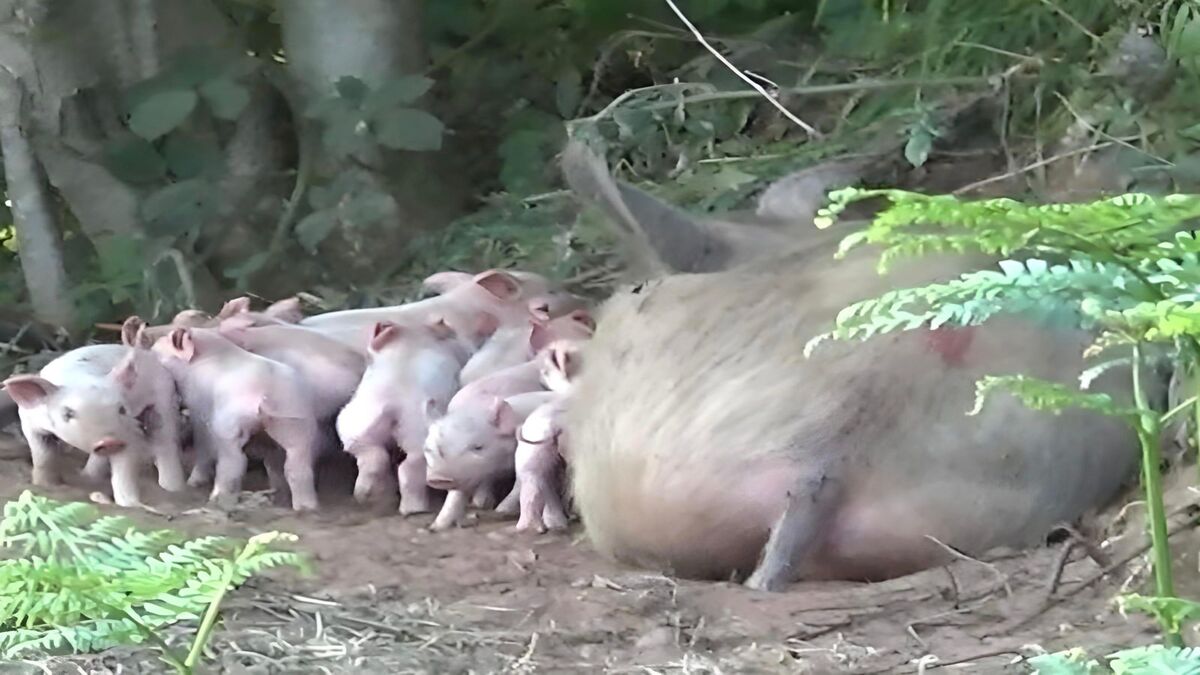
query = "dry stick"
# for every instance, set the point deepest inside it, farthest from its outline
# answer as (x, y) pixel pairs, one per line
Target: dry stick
(809, 129)
(1030, 167)
(1090, 581)
(1000, 576)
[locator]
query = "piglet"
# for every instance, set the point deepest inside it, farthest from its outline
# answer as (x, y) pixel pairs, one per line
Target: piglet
(540, 293)
(411, 370)
(541, 447)
(539, 464)
(472, 446)
(233, 395)
(115, 402)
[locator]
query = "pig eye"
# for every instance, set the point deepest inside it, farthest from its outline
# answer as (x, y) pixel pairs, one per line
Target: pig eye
(121, 410)
(68, 414)
(478, 447)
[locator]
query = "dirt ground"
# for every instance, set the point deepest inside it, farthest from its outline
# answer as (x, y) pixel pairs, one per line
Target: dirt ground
(391, 597)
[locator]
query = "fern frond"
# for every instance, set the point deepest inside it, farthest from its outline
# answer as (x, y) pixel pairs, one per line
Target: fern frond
(1051, 397)
(1078, 291)
(1173, 614)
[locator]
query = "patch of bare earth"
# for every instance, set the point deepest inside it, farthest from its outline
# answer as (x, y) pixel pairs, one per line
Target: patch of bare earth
(390, 597)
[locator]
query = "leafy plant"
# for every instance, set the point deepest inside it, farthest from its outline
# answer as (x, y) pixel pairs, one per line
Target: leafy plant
(1120, 265)
(1136, 661)
(82, 582)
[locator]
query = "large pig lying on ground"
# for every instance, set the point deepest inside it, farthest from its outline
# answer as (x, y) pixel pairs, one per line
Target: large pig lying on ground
(115, 402)
(704, 443)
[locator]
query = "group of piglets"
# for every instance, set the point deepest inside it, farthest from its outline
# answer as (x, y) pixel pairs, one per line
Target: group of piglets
(461, 391)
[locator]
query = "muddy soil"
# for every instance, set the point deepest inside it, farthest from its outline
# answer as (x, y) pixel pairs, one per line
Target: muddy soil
(390, 597)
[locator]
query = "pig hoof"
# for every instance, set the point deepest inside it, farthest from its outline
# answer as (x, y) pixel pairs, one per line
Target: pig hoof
(410, 509)
(223, 501)
(763, 582)
(508, 509)
(172, 485)
(198, 480)
(305, 508)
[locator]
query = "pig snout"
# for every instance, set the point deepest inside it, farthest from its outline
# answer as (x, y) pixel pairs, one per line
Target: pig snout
(106, 447)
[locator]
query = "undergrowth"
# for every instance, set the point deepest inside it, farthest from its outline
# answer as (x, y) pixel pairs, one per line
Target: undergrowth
(81, 582)
(1126, 267)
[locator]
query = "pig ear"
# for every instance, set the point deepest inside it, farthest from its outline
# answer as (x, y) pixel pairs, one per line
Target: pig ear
(440, 329)
(539, 336)
(235, 324)
(584, 318)
(565, 360)
(130, 330)
(539, 308)
(383, 334)
(125, 373)
(502, 417)
(234, 306)
(191, 317)
(28, 391)
(183, 344)
(287, 310)
(499, 283)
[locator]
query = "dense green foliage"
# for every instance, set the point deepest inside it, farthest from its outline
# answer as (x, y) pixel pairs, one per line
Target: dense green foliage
(79, 582)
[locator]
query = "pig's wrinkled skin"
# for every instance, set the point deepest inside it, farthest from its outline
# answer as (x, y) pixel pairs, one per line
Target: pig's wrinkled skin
(331, 369)
(286, 311)
(232, 395)
(411, 370)
(703, 442)
(115, 402)
(473, 310)
(472, 446)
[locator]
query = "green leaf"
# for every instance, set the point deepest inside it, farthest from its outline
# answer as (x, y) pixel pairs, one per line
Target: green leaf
(351, 89)
(346, 134)
(919, 144)
(397, 92)
(134, 160)
(162, 112)
(225, 98)
(315, 228)
(249, 266)
(410, 129)
(179, 207)
(568, 92)
(189, 156)
(368, 207)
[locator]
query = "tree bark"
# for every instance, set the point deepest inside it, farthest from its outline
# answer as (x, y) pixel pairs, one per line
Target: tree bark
(40, 247)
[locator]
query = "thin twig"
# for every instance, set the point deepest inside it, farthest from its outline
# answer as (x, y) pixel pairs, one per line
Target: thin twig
(963, 556)
(809, 129)
(1072, 20)
(1105, 135)
(1030, 167)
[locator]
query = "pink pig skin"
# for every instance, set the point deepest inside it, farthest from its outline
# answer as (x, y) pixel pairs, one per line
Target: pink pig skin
(409, 366)
(331, 369)
(234, 395)
(539, 465)
(474, 311)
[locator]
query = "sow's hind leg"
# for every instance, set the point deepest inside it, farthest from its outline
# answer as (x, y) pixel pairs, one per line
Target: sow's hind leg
(796, 536)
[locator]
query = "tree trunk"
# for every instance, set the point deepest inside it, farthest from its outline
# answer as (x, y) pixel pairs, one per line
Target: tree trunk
(374, 41)
(37, 235)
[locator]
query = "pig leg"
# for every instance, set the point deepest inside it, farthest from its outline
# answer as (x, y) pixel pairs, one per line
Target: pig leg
(164, 441)
(511, 504)
(205, 465)
(231, 465)
(484, 496)
(273, 460)
(96, 469)
(452, 511)
(795, 535)
(533, 503)
(44, 456)
(297, 436)
(414, 493)
(374, 464)
(553, 513)
(126, 466)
